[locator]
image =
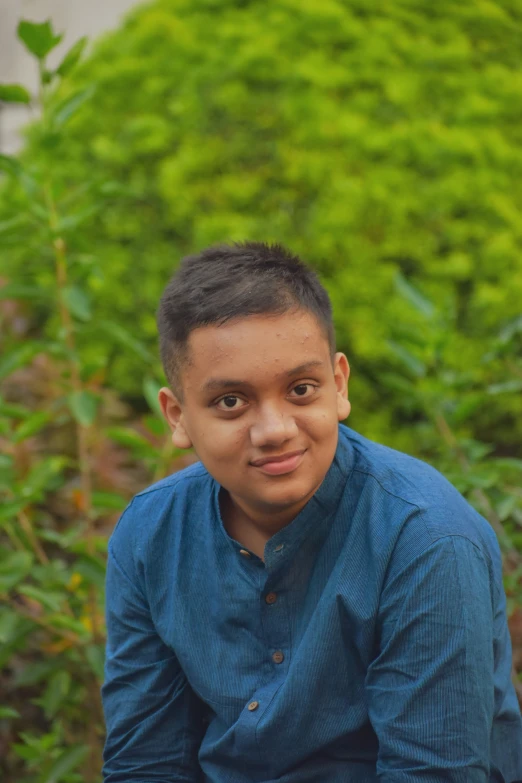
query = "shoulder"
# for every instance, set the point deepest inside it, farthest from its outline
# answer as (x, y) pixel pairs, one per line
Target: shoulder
(183, 481)
(158, 513)
(417, 504)
(398, 474)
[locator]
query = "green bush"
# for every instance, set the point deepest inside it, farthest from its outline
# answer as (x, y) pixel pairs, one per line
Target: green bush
(374, 139)
(382, 143)
(70, 457)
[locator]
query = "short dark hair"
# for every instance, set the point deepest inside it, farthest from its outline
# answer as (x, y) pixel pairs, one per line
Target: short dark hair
(234, 281)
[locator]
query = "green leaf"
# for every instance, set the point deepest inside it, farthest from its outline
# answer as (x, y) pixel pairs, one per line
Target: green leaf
(47, 76)
(35, 672)
(126, 436)
(413, 296)
(73, 221)
(70, 105)
(31, 426)
(26, 752)
(92, 570)
(108, 501)
(83, 406)
(70, 623)
(17, 641)
(72, 57)
(510, 330)
(508, 463)
(40, 212)
(12, 225)
(66, 763)
(156, 425)
(13, 410)
(45, 475)
(38, 37)
(10, 509)
(18, 357)
(9, 622)
(19, 291)
(13, 569)
(48, 599)
(8, 712)
(10, 165)
(506, 387)
(14, 168)
(151, 388)
(50, 139)
(505, 507)
(413, 364)
(122, 336)
(95, 654)
(55, 693)
(77, 302)
(6, 461)
(63, 540)
(14, 93)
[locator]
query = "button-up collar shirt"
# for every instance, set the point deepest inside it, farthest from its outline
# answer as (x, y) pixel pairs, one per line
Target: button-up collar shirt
(371, 644)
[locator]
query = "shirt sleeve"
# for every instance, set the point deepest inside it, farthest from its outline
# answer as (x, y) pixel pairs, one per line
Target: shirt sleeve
(431, 686)
(153, 718)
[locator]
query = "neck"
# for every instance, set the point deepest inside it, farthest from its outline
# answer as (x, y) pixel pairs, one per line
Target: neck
(253, 530)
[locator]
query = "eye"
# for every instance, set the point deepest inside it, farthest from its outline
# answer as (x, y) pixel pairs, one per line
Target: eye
(230, 403)
(304, 390)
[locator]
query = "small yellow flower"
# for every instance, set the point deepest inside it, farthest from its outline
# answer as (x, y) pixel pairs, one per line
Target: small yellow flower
(74, 581)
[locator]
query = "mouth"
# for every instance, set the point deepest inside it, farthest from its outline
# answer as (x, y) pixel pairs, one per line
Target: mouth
(280, 464)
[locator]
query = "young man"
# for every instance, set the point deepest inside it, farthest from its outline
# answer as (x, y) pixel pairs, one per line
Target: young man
(302, 605)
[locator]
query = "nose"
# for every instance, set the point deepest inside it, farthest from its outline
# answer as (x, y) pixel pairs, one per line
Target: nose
(272, 428)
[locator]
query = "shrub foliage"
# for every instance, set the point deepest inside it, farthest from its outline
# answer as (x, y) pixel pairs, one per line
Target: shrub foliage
(374, 139)
(380, 141)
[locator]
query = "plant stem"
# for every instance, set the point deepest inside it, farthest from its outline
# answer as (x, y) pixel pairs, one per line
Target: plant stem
(26, 525)
(15, 540)
(59, 248)
(60, 255)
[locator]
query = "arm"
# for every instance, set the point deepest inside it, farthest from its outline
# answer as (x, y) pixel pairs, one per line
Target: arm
(430, 689)
(154, 725)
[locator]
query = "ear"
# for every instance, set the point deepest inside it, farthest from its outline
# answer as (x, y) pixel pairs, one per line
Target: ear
(341, 374)
(173, 415)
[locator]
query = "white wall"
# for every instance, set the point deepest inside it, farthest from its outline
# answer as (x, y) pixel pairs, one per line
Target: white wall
(72, 17)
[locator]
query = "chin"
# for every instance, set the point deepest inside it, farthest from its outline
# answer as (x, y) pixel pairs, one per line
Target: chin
(286, 497)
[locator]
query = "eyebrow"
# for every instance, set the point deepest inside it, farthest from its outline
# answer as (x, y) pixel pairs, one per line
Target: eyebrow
(220, 384)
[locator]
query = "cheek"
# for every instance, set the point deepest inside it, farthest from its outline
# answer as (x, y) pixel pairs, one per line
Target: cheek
(221, 439)
(320, 422)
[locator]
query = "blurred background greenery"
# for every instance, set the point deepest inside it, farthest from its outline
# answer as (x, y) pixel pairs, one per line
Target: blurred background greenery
(382, 142)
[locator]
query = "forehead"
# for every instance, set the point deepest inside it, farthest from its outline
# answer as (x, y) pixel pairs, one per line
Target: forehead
(255, 348)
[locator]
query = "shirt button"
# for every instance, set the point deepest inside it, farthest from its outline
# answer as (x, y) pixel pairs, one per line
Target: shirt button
(244, 553)
(253, 706)
(271, 598)
(278, 657)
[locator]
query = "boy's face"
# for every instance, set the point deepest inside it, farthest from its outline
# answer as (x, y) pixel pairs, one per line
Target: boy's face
(261, 406)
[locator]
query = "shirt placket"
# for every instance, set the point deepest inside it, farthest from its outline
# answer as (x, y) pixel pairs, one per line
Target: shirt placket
(275, 625)
(273, 602)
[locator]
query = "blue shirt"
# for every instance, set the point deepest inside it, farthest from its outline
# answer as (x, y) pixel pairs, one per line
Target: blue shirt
(371, 644)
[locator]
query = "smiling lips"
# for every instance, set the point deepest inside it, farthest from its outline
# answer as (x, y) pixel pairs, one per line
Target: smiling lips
(278, 466)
